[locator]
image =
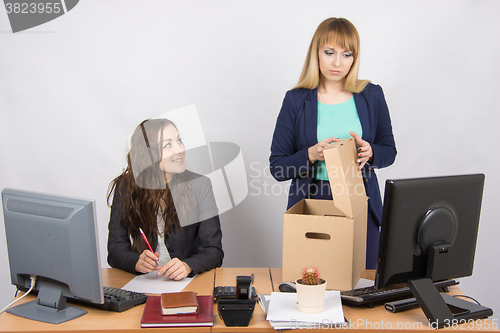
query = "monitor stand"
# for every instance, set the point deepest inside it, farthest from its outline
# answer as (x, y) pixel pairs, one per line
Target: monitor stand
(441, 309)
(49, 307)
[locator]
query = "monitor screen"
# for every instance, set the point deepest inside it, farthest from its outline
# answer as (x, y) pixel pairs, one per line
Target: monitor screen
(55, 239)
(429, 228)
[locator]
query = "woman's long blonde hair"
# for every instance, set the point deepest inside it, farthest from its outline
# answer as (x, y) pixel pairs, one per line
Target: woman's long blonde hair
(332, 31)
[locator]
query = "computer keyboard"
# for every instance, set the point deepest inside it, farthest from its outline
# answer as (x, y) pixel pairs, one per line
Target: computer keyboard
(115, 299)
(370, 295)
(120, 300)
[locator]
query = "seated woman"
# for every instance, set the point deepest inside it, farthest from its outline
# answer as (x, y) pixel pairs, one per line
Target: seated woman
(175, 208)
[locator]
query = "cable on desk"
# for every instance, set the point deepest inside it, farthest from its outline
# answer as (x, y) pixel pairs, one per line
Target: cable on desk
(271, 278)
(468, 298)
(33, 282)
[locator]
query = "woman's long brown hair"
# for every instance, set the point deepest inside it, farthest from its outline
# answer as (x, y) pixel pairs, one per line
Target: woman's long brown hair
(144, 190)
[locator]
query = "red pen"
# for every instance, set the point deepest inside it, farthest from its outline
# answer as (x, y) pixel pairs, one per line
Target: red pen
(144, 236)
(145, 239)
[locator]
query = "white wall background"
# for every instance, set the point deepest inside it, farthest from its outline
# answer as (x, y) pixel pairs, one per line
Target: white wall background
(73, 89)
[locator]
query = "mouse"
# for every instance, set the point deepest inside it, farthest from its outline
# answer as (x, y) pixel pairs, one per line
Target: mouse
(287, 287)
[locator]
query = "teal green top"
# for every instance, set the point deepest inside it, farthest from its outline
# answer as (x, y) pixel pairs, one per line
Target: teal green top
(336, 120)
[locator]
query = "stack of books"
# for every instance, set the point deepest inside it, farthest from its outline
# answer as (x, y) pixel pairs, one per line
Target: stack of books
(181, 309)
(283, 312)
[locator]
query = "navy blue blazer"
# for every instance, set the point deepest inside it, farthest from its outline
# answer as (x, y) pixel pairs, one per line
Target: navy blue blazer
(296, 131)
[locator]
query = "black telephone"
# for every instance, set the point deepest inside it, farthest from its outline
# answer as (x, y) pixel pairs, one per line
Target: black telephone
(222, 292)
(235, 305)
(241, 291)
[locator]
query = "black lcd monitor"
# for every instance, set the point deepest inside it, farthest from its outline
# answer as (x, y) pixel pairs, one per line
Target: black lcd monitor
(55, 239)
(428, 234)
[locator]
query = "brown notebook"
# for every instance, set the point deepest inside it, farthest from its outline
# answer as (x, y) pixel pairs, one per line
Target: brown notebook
(152, 316)
(184, 302)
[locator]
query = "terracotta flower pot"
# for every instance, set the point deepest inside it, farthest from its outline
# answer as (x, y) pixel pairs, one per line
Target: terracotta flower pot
(311, 297)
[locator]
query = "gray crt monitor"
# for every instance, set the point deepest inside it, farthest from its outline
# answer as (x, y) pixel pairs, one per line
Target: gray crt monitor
(54, 238)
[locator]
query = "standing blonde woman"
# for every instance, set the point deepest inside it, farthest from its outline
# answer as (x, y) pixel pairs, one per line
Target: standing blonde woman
(328, 104)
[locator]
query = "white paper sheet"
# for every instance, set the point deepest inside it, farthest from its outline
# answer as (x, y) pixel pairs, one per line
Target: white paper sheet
(152, 284)
(283, 307)
(363, 283)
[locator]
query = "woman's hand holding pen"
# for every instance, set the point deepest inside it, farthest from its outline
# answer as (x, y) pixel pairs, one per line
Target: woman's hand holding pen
(365, 152)
(315, 153)
(147, 262)
(174, 269)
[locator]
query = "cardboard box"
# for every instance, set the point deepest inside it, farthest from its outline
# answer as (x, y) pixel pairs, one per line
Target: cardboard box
(330, 235)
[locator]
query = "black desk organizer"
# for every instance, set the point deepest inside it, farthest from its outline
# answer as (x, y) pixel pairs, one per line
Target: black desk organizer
(238, 311)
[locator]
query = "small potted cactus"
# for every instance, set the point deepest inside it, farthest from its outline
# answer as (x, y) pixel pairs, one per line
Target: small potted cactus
(311, 290)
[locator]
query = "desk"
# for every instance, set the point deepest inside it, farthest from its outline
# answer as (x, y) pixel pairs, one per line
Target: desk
(363, 319)
(266, 280)
(97, 320)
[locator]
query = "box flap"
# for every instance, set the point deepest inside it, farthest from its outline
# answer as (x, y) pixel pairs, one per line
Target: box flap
(346, 181)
